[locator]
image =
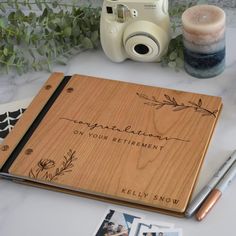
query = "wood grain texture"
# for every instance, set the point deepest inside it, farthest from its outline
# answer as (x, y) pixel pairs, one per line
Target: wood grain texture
(129, 142)
(29, 116)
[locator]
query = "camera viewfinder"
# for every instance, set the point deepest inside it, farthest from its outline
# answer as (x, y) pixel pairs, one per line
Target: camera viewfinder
(109, 10)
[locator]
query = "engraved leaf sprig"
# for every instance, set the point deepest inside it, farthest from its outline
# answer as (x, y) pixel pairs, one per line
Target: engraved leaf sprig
(66, 166)
(177, 106)
(43, 166)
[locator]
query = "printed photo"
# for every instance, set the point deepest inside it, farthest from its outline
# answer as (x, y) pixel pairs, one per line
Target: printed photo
(141, 226)
(116, 223)
(164, 232)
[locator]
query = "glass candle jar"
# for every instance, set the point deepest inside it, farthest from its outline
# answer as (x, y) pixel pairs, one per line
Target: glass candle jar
(204, 40)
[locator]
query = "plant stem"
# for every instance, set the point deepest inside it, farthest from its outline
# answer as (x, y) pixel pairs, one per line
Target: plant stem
(4, 62)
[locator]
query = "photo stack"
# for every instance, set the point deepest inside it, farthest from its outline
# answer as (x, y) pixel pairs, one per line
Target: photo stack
(120, 223)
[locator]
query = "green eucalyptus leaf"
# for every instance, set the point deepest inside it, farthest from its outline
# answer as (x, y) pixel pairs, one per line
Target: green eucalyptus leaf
(76, 31)
(10, 3)
(67, 31)
(94, 36)
(11, 16)
(45, 13)
(2, 8)
(52, 25)
(172, 64)
(49, 66)
(32, 18)
(55, 4)
(173, 56)
(2, 23)
(39, 4)
(181, 53)
(19, 14)
(31, 52)
(27, 38)
(40, 50)
(87, 43)
(62, 61)
(11, 59)
(179, 62)
(16, 5)
(5, 52)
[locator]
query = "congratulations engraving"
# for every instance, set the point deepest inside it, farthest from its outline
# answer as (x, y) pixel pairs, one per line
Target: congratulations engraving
(128, 130)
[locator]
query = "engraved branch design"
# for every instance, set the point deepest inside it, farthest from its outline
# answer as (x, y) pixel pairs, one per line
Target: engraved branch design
(41, 171)
(176, 106)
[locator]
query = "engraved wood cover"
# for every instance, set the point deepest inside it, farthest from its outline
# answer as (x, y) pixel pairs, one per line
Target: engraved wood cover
(124, 141)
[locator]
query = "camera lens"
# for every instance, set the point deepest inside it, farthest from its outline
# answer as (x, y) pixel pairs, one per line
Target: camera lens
(141, 49)
(109, 10)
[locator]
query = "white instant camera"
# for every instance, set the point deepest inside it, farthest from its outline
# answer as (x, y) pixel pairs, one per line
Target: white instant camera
(139, 30)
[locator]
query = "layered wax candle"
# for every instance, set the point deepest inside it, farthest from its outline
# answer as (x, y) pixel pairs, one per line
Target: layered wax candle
(204, 40)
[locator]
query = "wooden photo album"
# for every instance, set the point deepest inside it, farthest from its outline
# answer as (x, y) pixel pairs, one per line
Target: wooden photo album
(126, 143)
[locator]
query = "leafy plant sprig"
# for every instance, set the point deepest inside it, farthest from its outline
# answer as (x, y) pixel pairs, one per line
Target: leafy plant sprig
(174, 57)
(177, 106)
(36, 40)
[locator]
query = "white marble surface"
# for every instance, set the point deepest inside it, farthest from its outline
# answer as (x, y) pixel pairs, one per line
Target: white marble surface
(30, 211)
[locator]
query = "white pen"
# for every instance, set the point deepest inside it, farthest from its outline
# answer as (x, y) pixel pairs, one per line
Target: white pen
(201, 196)
(216, 193)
